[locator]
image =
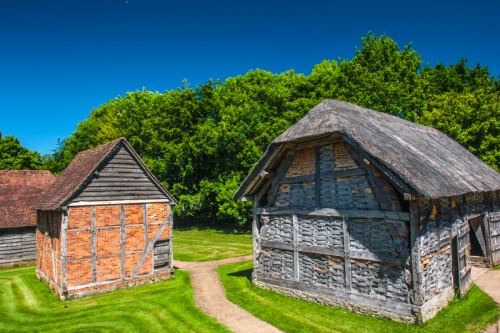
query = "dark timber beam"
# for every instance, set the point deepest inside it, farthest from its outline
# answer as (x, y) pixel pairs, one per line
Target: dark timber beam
(93, 252)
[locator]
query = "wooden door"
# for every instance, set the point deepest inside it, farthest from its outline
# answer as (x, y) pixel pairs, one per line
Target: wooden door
(464, 272)
(493, 225)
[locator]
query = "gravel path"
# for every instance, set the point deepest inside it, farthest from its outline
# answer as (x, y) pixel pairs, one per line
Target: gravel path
(210, 296)
(489, 281)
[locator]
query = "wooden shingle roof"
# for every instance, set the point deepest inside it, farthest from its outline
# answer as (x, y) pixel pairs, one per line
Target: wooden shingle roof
(20, 193)
(421, 160)
(81, 171)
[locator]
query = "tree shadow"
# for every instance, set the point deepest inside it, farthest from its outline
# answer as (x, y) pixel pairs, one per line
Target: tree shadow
(245, 273)
(226, 231)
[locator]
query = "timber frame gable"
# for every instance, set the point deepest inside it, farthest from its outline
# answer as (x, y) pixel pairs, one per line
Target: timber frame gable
(106, 223)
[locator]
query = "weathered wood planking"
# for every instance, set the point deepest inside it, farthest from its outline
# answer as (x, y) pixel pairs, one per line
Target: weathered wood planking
(494, 228)
(17, 244)
(121, 178)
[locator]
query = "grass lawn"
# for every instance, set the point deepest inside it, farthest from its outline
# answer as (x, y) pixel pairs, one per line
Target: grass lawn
(28, 305)
(209, 244)
(471, 314)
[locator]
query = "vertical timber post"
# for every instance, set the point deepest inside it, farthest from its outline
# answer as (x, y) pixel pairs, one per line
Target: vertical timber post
(416, 268)
(122, 241)
(64, 228)
(171, 241)
(93, 251)
(145, 221)
(255, 232)
(295, 236)
(317, 178)
(347, 254)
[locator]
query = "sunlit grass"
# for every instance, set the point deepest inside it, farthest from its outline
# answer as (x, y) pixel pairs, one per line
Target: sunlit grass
(210, 244)
(28, 305)
(471, 314)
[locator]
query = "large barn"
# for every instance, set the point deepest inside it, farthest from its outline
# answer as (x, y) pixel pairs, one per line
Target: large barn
(20, 192)
(105, 223)
(364, 210)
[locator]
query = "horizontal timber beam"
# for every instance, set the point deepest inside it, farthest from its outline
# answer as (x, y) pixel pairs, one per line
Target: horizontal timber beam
(330, 212)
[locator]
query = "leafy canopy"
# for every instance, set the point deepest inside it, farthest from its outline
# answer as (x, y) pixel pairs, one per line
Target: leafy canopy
(201, 142)
(13, 156)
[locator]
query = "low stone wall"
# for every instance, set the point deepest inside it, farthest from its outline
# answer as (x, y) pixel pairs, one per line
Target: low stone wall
(397, 314)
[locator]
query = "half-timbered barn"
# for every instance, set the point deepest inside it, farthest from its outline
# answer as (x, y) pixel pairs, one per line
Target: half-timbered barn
(364, 210)
(105, 223)
(20, 192)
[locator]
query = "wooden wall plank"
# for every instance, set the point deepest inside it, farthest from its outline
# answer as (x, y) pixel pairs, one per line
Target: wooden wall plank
(121, 178)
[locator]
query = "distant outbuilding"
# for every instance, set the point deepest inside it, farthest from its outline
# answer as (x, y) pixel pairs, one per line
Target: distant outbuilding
(105, 223)
(361, 209)
(20, 192)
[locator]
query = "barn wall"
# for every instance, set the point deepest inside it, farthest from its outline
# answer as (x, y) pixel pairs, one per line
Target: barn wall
(435, 245)
(331, 229)
(113, 245)
(48, 248)
(494, 225)
(344, 183)
(437, 219)
(121, 178)
(107, 247)
(17, 246)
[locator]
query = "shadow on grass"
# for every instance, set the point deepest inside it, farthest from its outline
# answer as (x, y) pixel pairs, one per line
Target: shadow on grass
(226, 231)
(244, 273)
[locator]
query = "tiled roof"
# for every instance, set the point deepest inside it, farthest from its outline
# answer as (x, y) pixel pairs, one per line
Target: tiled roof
(20, 193)
(80, 172)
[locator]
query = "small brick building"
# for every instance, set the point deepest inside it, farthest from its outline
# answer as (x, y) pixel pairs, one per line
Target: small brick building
(105, 223)
(20, 191)
(361, 209)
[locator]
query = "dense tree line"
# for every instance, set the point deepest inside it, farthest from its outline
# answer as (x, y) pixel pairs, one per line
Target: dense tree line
(13, 156)
(202, 141)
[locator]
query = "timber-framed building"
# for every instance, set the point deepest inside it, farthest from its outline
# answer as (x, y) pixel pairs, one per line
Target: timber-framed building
(105, 223)
(360, 209)
(20, 193)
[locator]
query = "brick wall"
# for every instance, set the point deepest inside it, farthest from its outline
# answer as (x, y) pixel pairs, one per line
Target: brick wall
(48, 248)
(136, 232)
(104, 246)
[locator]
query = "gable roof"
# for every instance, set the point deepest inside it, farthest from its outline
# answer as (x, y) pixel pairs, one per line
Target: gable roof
(419, 159)
(81, 170)
(20, 192)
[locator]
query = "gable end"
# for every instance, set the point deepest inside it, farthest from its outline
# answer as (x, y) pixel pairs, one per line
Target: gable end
(120, 177)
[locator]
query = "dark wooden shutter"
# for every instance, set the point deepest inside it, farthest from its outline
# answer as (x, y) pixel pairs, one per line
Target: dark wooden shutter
(162, 254)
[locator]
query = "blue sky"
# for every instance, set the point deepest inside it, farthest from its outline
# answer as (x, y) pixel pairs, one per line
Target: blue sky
(60, 59)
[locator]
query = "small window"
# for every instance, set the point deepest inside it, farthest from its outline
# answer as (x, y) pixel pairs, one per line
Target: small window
(162, 254)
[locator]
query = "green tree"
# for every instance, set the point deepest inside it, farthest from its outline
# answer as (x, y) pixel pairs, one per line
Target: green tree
(13, 156)
(382, 77)
(470, 117)
(201, 142)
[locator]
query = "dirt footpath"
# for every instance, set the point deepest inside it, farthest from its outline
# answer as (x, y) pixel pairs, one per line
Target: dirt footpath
(210, 296)
(489, 282)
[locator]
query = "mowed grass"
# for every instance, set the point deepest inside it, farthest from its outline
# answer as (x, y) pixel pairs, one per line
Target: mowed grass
(210, 244)
(28, 305)
(471, 314)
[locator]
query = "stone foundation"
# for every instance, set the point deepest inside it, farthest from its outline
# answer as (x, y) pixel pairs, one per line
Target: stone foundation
(400, 316)
(436, 304)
